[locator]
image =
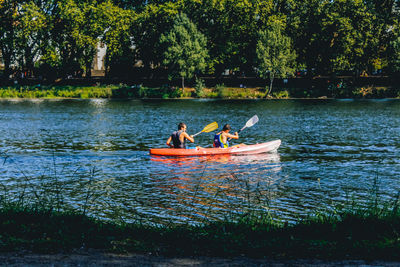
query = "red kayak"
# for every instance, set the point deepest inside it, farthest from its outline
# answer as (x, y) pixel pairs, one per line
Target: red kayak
(241, 149)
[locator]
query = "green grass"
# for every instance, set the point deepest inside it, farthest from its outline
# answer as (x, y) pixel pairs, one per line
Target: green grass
(58, 92)
(86, 92)
(166, 91)
(361, 234)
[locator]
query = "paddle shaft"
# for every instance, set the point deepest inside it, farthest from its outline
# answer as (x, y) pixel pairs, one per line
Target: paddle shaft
(209, 128)
(197, 133)
(249, 123)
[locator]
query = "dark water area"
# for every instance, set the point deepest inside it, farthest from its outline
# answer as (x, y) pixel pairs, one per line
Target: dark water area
(93, 154)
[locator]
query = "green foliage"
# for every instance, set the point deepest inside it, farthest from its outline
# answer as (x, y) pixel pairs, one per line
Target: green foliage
(59, 92)
(165, 91)
(115, 24)
(58, 38)
(339, 89)
(222, 91)
(30, 34)
(281, 94)
(275, 54)
(337, 35)
(231, 28)
(199, 87)
(338, 234)
(186, 50)
(394, 61)
(147, 27)
(168, 91)
(372, 92)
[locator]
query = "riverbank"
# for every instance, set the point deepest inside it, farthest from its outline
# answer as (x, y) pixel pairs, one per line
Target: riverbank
(362, 234)
(123, 91)
(101, 258)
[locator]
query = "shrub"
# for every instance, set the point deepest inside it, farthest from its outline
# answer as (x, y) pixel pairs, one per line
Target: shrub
(281, 94)
(167, 91)
(199, 88)
(222, 91)
(142, 92)
(364, 92)
(174, 92)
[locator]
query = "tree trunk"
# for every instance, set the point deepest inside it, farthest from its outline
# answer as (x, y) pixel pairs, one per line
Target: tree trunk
(183, 84)
(88, 70)
(271, 80)
(29, 65)
(7, 65)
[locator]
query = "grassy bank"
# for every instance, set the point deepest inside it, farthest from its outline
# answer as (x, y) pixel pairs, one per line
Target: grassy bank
(58, 91)
(362, 234)
(124, 91)
(199, 91)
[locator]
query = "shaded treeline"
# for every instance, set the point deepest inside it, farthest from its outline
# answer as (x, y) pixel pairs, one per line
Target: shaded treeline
(59, 38)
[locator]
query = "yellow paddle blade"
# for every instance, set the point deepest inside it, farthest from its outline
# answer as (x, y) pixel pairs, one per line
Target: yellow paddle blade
(211, 127)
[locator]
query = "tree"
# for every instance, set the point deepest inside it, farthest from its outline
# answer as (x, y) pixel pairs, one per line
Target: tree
(186, 50)
(75, 35)
(331, 36)
(394, 60)
(148, 26)
(231, 29)
(8, 11)
(30, 35)
(275, 54)
(116, 23)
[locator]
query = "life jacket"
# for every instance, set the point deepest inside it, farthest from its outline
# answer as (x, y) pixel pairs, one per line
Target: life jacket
(176, 141)
(218, 141)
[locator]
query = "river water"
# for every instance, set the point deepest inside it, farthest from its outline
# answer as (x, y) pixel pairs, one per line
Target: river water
(93, 155)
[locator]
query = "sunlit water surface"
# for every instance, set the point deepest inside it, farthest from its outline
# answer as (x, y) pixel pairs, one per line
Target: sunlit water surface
(93, 155)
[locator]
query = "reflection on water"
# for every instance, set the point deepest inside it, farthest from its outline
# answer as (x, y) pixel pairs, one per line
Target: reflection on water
(331, 152)
(215, 186)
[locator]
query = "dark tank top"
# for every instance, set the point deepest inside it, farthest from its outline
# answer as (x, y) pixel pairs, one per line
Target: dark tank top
(177, 142)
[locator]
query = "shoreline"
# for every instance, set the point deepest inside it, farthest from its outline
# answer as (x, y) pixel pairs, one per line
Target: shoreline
(100, 258)
(219, 92)
(344, 236)
(196, 98)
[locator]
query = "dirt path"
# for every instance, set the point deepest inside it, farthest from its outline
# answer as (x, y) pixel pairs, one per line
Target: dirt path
(98, 258)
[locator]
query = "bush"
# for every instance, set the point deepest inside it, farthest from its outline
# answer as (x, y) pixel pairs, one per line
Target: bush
(222, 91)
(372, 92)
(339, 89)
(168, 91)
(142, 92)
(199, 88)
(281, 94)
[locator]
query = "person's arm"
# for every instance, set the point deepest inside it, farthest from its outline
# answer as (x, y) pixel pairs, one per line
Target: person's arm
(189, 137)
(232, 136)
(169, 142)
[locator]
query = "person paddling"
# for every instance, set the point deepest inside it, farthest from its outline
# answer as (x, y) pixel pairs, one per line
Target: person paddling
(179, 137)
(221, 138)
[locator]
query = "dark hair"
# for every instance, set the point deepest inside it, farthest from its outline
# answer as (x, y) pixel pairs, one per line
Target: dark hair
(181, 125)
(226, 127)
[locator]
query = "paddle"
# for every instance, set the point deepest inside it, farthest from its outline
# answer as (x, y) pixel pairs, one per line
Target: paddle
(209, 128)
(249, 123)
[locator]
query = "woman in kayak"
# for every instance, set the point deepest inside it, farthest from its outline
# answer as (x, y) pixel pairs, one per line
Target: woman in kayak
(221, 138)
(179, 137)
